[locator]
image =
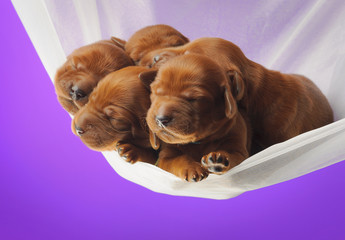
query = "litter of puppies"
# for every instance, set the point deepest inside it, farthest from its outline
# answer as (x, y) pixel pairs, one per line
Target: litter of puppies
(191, 108)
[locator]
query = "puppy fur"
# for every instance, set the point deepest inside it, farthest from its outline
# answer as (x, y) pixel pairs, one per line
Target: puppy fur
(153, 37)
(279, 106)
(84, 68)
(194, 113)
(114, 117)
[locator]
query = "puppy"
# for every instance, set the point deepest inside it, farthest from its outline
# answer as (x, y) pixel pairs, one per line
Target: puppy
(279, 106)
(84, 68)
(194, 112)
(153, 37)
(114, 117)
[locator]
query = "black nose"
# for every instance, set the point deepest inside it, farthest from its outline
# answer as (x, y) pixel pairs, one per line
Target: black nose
(76, 93)
(79, 130)
(163, 121)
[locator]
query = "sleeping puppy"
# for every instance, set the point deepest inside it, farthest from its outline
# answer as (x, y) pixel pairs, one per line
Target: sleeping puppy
(153, 37)
(279, 106)
(194, 112)
(84, 68)
(114, 117)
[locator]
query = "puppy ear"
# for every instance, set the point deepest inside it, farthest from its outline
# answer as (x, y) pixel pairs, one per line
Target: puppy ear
(230, 103)
(155, 142)
(237, 84)
(118, 42)
(147, 78)
(175, 41)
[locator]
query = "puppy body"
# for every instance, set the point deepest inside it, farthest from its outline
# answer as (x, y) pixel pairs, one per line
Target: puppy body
(194, 113)
(84, 68)
(114, 117)
(279, 106)
(153, 37)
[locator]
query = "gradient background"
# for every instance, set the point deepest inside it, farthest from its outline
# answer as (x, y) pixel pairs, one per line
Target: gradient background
(53, 187)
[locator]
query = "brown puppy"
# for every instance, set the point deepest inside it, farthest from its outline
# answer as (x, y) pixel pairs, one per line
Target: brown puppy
(279, 106)
(84, 68)
(114, 117)
(193, 110)
(153, 37)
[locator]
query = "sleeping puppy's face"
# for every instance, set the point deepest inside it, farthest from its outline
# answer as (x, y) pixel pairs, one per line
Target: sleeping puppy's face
(191, 100)
(84, 68)
(115, 112)
(153, 37)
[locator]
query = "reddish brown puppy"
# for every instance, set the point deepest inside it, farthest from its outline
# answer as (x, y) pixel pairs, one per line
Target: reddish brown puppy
(114, 117)
(153, 37)
(194, 112)
(279, 106)
(84, 68)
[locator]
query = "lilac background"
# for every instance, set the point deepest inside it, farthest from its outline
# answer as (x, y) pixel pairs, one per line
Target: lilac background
(53, 187)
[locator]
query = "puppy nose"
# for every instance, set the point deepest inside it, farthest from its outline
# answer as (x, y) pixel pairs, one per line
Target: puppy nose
(163, 121)
(79, 130)
(76, 93)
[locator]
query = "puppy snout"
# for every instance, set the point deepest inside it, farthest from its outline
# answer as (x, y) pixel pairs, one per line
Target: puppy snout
(76, 93)
(79, 130)
(163, 120)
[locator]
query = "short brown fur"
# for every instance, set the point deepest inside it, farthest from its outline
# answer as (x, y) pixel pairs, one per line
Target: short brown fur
(153, 37)
(84, 68)
(114, 117)
(279, 106)
(206, 134)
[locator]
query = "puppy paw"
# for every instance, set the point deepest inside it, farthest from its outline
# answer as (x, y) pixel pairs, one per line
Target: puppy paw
(216, 162)
(127, 151)
(194, 173)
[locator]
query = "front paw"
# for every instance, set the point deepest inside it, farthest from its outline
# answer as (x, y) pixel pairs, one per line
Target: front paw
(216, 162)
(127, 151)
(194, 173)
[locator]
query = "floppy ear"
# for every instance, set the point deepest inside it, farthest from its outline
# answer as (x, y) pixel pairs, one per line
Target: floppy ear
(147, 78)
(155, 142)
(230, 103)
(118, 42)
(175, 41)
(237, 84)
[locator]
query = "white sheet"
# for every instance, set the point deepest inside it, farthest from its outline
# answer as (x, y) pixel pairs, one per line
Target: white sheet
(307, 39)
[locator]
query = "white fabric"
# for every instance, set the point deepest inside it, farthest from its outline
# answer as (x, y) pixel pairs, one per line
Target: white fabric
(311, 42)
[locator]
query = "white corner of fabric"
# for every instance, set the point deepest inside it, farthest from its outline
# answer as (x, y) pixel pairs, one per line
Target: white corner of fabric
(37, 23)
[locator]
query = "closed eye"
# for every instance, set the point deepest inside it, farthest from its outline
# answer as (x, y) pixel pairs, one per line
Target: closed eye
(120, 125)
(192, 100)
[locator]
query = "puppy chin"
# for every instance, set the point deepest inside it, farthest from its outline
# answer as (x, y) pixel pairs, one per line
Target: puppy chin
(171, 137)
(100, 147)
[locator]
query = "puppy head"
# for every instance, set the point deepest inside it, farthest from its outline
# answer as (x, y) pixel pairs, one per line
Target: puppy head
(115, 112)
(153, 37)
(84, 68)
(191, 99)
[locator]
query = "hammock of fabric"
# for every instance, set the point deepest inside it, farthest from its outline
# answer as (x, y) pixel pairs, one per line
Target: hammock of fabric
(293, 37)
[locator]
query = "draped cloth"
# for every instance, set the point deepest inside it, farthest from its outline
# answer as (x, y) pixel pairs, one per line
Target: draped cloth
(290, 36)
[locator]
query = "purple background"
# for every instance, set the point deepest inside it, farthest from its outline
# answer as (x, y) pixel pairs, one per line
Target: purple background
(53, 187)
